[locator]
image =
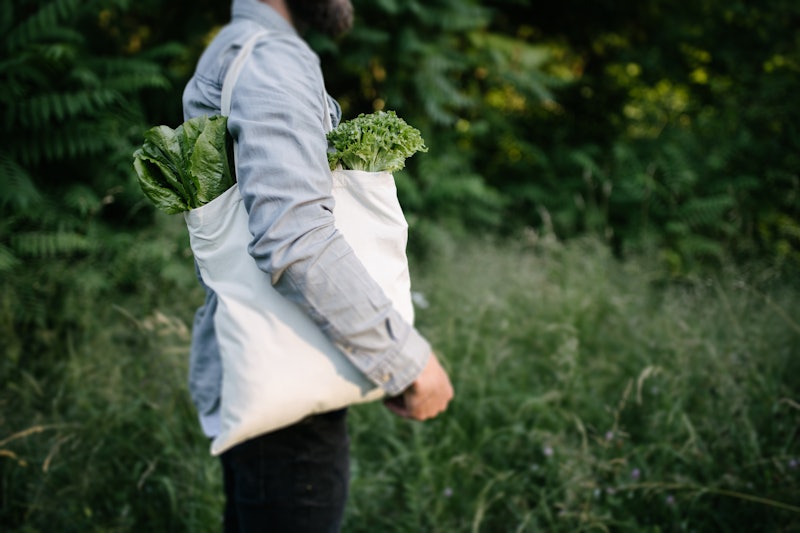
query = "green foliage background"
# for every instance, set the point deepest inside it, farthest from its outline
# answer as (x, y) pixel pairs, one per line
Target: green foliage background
(657, 130)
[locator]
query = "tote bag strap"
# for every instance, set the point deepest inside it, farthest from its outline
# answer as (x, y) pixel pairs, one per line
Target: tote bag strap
(233, 75)
(235, 69)
(230, 80)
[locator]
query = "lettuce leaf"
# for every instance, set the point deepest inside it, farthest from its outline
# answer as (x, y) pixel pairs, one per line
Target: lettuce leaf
(375, 142)
(187, 167)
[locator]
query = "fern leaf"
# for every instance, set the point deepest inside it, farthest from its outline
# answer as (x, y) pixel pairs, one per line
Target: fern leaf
(136, 81)
(54, 144)
(59, 55)
(7, 259)
(61, 34)
(162, 53)
(708, 212)
(127, 75)
(42, 110)
(436, 84)
(47, 245)
(17, 189)
(47, 17)
(29, 306)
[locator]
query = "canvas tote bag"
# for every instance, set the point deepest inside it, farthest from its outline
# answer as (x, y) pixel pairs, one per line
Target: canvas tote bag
(278, 366)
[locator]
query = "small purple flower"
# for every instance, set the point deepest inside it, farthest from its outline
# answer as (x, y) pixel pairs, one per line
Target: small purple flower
(793, 463)
(636, 474)
(670, 500)
(447, 492)
(547, 451)
(609, 435)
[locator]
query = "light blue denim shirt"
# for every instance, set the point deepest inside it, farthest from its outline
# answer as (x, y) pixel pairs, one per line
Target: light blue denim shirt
(278, 118)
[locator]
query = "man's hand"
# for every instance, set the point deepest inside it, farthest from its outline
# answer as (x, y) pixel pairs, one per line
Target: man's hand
(427, 396)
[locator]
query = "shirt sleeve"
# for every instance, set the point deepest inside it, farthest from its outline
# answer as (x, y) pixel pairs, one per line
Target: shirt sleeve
(277, 117)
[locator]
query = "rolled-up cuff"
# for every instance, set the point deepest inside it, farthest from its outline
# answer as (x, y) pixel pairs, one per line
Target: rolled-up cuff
(398, 370)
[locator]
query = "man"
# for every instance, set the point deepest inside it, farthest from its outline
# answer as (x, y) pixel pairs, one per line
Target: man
(295, 479)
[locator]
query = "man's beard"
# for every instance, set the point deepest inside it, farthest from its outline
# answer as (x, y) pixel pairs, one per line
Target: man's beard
(331, 17)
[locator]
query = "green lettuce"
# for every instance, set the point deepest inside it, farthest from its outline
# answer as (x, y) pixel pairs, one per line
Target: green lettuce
(187, 167)
(376, 142)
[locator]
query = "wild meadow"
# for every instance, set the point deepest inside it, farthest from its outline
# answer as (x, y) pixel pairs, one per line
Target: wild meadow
(592, 394)
(593, 397)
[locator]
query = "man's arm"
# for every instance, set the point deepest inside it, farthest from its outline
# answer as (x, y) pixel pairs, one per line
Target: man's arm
(277, 117)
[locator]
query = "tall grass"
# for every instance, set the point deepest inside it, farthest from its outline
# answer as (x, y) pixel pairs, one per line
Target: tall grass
(97, 432)
(590, 396)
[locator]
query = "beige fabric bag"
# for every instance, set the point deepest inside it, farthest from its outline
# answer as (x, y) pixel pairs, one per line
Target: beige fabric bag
(278, 366)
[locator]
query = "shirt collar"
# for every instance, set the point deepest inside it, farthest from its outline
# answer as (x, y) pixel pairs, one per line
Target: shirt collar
(261, 13)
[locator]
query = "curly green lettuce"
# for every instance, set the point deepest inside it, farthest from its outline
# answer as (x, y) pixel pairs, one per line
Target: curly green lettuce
(375, 142)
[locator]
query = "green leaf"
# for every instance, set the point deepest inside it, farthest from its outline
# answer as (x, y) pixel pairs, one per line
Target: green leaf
(208, 164)
(376, 142)
(162, 146)
(187, 167)
(151, 179)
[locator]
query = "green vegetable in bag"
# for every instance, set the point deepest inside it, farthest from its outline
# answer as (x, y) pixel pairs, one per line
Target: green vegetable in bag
(187, 167)
(376, 142)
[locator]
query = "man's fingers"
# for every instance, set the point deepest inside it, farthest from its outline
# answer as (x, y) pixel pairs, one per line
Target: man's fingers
(427, 397)
(397, 405)
(424, 407)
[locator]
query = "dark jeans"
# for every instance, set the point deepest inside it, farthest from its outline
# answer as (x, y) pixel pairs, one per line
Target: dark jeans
(292, 480)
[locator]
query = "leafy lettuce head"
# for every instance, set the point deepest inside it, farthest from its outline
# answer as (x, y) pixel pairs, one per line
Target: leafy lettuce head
(187, 167)
(376, 142)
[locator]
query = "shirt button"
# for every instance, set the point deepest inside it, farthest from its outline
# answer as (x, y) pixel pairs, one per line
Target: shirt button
(385, 378)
